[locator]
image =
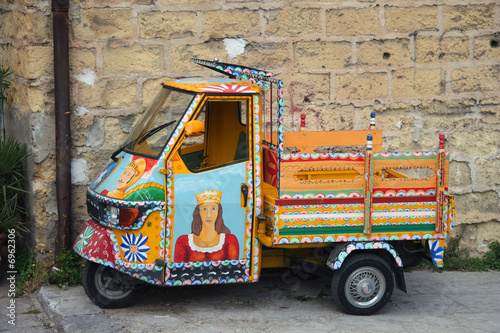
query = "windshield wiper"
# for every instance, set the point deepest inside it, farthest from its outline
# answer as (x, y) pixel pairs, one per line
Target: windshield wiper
(142, 138)
(154, 130)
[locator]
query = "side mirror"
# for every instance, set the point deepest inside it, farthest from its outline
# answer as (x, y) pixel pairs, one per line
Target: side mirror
(195, 128)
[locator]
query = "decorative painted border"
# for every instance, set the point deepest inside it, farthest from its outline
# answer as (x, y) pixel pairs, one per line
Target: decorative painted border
(351, 157)
(336, 263)
(256, 202)
(207, 272)
(149, 273)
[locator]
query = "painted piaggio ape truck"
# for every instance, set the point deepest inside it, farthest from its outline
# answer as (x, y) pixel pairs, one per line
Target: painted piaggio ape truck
(209, 189)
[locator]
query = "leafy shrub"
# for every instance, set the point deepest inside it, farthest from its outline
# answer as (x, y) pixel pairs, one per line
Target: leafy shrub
(69, 269)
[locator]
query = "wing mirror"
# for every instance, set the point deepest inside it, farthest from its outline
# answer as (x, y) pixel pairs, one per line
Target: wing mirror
(195, 128)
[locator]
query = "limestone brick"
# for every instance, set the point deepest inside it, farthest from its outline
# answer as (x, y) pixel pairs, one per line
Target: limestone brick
(293, 21)
(43, 137)
(413, 82)
(8, 27)
(468, 17)
(483, 78)
(322, 117)
(353, 21)
(384, 52)
(114, 133)
(167, 25)
(36, 61)
(180, 55)
(488, 172)
(361, 86)
(490, 114)
(79, 128)
(79, 199)
(81, 58)
(335, 117)
(476, 207)
(40, 96)
(478, 143)
(96, 134)
(410, 19)
(459, 176)
(412, 141)
(468, 238)
(109, 94)
(237, 23)
(305, 88)
(107, 3)
(437, 49)
(120, 94)
(448, 121)
(266, 56)
(133, 59)
(45, 172)
(96, 165)
(103, 24)
(150, 89)
(487, 233)
(322, 55)
(34, 26)
(394, 121)
(487, 47)
(437, 108)
(43, 194)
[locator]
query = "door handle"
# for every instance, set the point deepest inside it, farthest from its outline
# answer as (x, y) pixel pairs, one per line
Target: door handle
(244, 190)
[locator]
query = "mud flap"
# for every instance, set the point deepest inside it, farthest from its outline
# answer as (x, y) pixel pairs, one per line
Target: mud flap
(400, 279)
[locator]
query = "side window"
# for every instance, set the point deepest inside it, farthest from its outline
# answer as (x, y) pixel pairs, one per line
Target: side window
(225, 140)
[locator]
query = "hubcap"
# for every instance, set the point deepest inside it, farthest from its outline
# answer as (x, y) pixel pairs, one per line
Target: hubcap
(365, 287)
(112, 283)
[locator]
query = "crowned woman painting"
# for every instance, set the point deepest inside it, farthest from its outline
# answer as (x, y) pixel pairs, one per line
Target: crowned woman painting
(209, 239)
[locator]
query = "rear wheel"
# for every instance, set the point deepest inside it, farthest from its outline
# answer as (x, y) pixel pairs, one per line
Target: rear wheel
(363, 285)
(109, 288)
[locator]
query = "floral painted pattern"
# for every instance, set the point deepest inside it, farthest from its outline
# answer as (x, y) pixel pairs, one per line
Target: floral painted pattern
(134, 247)
(84, 238)
(437, 252)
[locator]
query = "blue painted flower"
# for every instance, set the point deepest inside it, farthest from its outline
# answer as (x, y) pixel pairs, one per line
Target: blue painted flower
(437, 252)
(134, 247)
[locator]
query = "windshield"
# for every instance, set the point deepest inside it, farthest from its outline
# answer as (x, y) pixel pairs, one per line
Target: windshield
(152, 131)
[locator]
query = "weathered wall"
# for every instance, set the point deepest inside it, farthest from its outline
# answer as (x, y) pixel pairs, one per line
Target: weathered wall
(26, 47)
(424, 66)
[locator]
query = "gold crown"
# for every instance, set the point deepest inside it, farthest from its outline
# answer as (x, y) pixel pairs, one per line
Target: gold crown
(208, 196)
(139, 165)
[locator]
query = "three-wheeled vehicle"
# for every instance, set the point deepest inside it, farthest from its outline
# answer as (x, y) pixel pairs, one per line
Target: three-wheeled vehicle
(208, 188)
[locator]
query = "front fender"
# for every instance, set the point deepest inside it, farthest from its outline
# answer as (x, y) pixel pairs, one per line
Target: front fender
(337, 257)
(97, 243)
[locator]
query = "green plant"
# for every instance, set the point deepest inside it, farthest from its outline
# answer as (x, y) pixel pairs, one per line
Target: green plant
(4, 81)
(456, 259)
(12, 154)
(31, 275)
(69, 269)
(34, 311)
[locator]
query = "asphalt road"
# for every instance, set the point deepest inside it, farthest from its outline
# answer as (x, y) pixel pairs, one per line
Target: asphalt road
(436, 302)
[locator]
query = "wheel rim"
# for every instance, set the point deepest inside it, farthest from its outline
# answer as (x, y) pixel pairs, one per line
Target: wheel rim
(365, 287)
(111, 283)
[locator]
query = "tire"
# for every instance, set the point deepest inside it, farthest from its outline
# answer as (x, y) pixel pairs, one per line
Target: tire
(109, 288)
(363, 285)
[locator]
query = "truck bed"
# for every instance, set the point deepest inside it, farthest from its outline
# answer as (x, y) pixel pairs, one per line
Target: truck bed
(339, 197)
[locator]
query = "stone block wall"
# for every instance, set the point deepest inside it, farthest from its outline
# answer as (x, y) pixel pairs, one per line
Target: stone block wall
(424, 66)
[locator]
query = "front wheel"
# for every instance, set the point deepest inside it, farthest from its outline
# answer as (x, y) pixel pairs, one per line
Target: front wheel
(109, 288)
(363, 285)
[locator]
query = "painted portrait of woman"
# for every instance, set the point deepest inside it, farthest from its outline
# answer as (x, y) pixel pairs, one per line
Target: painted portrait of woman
(209, 239)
